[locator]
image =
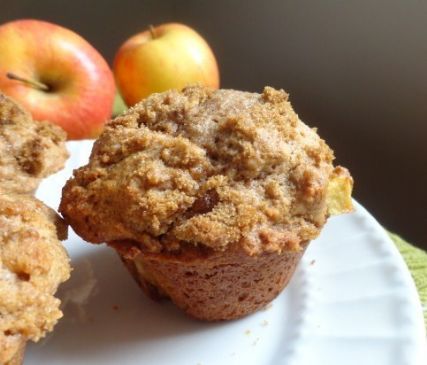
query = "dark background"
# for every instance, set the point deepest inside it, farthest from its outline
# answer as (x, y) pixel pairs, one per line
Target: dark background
(355, 69)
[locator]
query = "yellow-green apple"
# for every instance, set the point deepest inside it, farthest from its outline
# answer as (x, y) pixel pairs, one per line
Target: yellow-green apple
(56, 75)
(169, 56)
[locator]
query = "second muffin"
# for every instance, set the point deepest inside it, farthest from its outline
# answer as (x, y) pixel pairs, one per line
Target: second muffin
(33, 263)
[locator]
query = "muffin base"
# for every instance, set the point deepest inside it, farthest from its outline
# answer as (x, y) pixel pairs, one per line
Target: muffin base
(211, 286)
(18, 358)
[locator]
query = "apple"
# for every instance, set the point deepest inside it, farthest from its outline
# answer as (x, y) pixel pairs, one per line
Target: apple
(169, 56)
(56, 75)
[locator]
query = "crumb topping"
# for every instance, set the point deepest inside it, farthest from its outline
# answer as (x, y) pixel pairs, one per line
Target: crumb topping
(33, 263)
(210, 168)
(29, 150)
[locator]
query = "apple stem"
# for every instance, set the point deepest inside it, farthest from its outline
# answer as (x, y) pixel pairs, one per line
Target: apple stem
(152, 31)
(33, 83)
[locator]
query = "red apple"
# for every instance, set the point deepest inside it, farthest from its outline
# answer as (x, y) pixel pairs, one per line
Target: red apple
(170, 56)
(56, 75)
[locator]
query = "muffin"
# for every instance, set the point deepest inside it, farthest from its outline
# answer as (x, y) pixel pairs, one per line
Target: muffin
(210, 197)
(33, 263)
(29, 150)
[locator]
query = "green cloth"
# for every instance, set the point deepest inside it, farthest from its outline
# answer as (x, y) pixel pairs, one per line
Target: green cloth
(416, 259)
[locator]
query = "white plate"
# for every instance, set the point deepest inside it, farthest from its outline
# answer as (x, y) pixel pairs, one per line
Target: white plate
(351, 301)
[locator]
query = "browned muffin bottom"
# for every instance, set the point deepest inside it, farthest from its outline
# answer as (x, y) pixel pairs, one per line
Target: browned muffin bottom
(234, 173)
(29, 150)
(33, 263)
(211, 285)
(18, 346)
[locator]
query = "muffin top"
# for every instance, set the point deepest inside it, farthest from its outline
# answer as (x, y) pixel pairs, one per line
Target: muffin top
(208, 168)
(29, 150)
(33, 263)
